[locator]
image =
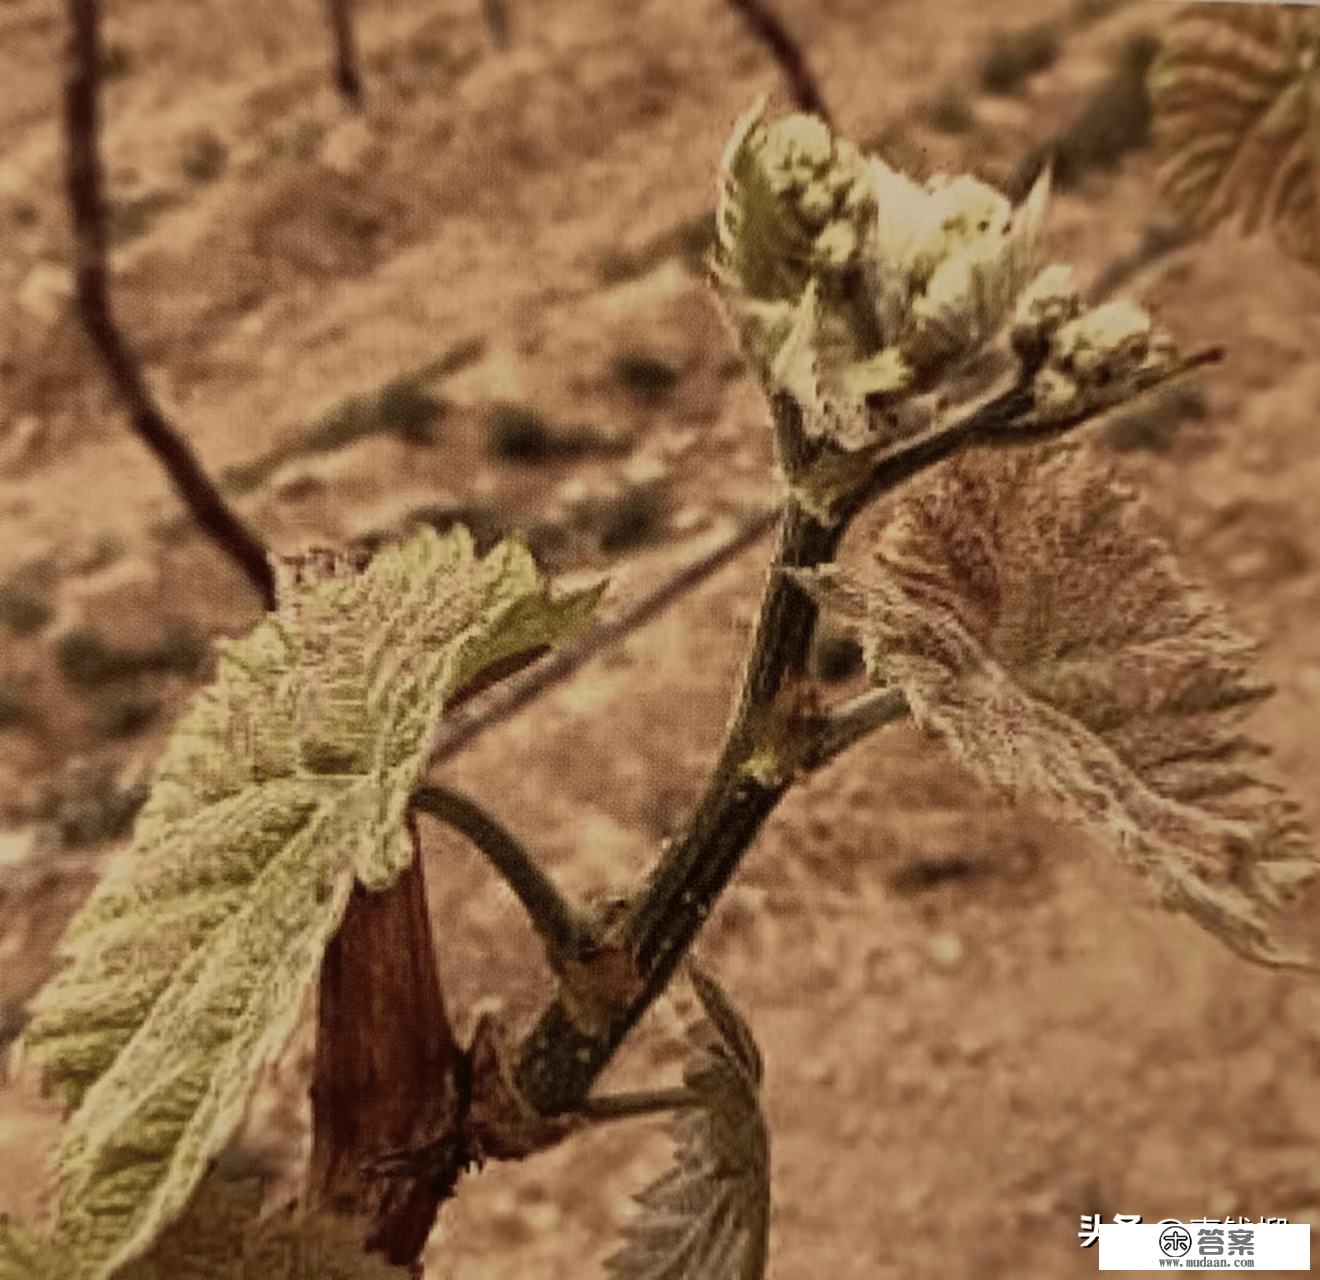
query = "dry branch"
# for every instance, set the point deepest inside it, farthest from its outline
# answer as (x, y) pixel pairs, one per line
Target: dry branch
(347, 78)
(767, 27)
(496, 19)
(87, 205)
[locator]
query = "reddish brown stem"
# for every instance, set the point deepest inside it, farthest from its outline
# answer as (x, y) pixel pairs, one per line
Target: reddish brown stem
(389, 1073)
(775, 36)
(86, 202)
(347, 79)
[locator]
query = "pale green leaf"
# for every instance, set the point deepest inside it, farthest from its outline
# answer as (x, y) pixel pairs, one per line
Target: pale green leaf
(223, 1235)
(984, 256)
(1035, 623)
(811, 367)
(884, 375)
(902, 221)
(794, 201)
(759, 253)
(285, 781)
(24, 1255)
(796, 208)
(708, 1218)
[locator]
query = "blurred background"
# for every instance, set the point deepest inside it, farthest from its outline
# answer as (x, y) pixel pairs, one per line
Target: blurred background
(479, 299)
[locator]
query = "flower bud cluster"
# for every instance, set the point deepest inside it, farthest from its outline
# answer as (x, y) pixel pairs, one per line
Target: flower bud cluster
(1098, 355)
(1049, 302)
(961, 215)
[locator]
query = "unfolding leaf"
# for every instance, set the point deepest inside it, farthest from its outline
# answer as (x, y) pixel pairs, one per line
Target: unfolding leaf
(794, 200)
(283, 783)
(222, 1235)
(814, 372)
(24, 1255)
(1036, 624)
(1236, 94)
(987, 256)
(708, 1218)
(796, 208)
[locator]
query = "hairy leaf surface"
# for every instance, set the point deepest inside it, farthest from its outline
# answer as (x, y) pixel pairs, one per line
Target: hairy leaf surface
(223, 1236)
(708, 1218)
(1034, 622)
(27, 1256)
(794, 201)
(1237, 110)
(967, 259)
(284, 782)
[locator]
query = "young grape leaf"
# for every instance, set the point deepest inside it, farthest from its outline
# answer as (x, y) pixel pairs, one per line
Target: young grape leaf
(1236, 95)
(795, 201)
(208, 1240)
(708, 1218)
(796, 206)
(27, 1256)
(283, 783)
(984, 257)
(302, 1245)
(1036, 625)
(222, 1235)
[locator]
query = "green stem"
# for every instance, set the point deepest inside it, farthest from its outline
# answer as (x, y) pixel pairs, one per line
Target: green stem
(560, 1060)
(565, 934)
(855, 720)
(644, 1102)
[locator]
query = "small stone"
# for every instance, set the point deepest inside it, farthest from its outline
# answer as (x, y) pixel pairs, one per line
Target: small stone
(573, 492)
(974, 1044)
(945, 950)
(1248, 564)
(643, 469)
(1042, 1205)
(679, 441)
(23, 437)
(816, 1071)
(348, 148)
(395, 512)
(17, 846)
(690, 519)
(295, 482)
(45, 291)
(543, 1217)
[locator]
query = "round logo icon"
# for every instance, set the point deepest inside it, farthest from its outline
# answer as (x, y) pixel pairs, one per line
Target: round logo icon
(1175, 1240)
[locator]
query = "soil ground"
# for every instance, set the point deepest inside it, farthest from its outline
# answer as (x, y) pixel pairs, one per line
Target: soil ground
(976, 1027)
